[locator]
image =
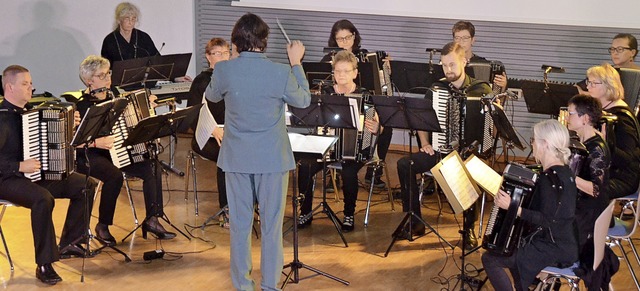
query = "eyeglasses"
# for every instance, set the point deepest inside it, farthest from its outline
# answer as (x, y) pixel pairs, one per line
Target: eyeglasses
(592, 83)
(618, 49)
(345, 39)
(573, 113)
(462, 38)
(217, 54)
(103, 76)
(340, 72)
(130, 19)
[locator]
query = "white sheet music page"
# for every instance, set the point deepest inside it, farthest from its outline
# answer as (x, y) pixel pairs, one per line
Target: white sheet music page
(456, 177)
(206, 124)
(484, 175)
(315, 144)
(355, 110)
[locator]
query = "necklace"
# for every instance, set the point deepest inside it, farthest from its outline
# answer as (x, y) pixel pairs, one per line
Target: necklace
(346, 91)
(605, 107)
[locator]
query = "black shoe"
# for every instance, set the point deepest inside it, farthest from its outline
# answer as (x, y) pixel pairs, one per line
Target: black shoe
(75, 251)
(152, 225)
(347, 224)
(472, 241)
(303, 223)
(46, 274)
(377, 182)
(104, 236)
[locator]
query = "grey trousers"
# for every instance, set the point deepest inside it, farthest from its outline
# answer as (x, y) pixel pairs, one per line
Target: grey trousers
(269, 190)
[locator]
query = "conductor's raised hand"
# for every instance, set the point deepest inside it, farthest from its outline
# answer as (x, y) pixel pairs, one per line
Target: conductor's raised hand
(295, 51)
(29, 166)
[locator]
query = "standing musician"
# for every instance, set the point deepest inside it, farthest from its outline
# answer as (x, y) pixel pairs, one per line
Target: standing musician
(453, 63)
(345, 70)
(217, 50)
(551, 215)
(38, 196)
(255, 91)
(604, 84)
(127, 42)
(592, 180)
(345, 35)
(95, 73)
(623, 50)
(464, 34)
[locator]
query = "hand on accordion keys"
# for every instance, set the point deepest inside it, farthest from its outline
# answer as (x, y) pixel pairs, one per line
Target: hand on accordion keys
(29, 166)
(503, 199)
(105, 142)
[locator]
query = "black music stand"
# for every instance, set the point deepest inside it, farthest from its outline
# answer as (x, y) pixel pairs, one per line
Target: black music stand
(413, 114)
(542, 100)
(324, 71)
(97, 122)
(152, 128)
(296, 264)
(326, 111)
(149, 69)
(415, 77)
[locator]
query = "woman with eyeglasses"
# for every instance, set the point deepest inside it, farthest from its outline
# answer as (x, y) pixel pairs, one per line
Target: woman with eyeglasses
(345, 70)
(216, 50)
(550, 215)
(95, 74)
(623, 50)
(346, 36)
(604, 85)
(127, 42)
(592, 179)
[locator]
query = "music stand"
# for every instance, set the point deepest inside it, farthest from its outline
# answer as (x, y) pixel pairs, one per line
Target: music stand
(415, 77)
(326, 111)
(324, 71)
(97, 122)
(543, 100)
(413, 114)
(149, 129)
(149, 69)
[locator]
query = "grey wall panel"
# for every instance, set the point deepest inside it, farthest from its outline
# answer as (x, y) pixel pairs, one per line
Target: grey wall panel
(523, 48)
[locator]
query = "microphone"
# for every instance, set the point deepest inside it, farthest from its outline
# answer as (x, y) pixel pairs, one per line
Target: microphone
(322, 82)
(161, 47)
(99, 90)
(469, 149)
(331, 50)
(552, 69)
(433, 50)
(135, 46)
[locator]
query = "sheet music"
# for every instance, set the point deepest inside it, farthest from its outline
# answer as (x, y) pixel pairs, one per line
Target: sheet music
(484, 175)
(457, 179)
(205, 127)
(315, 144)
(355, 117)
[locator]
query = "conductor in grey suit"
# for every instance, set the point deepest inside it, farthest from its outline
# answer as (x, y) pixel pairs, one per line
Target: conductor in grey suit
(255, 153)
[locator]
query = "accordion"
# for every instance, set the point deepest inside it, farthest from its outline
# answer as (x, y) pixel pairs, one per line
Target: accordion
(47, 132)
(137, 109)
(504, 227)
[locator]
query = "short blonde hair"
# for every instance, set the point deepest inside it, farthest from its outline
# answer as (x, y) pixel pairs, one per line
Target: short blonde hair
(610, 78)
(345, 56)
(557, 137)
(90, 65)
(125, 9)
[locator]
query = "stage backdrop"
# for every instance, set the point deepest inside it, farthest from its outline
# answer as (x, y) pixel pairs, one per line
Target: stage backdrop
(52, 37)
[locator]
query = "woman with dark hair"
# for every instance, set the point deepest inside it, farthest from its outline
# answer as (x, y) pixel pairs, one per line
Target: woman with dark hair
(346, 36)
(592, 179)
(550, 215)
(216, 50)
(604, 84)
(623, 50)
(256, 152)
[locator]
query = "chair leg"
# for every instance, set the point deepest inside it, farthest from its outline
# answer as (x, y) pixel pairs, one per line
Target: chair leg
(195, 183)
(633, 248)
(188, 163)
(335, 186)
(373, 180)
(133, 208)
(4, 242)
(386, 172)
(626, 258)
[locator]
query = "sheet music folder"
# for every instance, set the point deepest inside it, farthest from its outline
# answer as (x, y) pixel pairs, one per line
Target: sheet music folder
(455, 180)
(311, 146)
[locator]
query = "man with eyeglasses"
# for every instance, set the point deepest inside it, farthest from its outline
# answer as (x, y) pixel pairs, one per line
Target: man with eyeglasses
(38, 196)
(623, 50)
(216, 50)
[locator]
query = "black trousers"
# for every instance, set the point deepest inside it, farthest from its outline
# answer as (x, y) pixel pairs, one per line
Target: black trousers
(384, 141)
(103, 169)
(422, 162)
(39, 197)
(210, 152)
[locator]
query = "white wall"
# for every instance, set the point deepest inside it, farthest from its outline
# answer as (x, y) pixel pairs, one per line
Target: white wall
(52, 37)
(597, 13)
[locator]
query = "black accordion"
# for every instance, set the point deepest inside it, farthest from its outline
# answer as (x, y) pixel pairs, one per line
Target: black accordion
(504, 227)
(47, 132)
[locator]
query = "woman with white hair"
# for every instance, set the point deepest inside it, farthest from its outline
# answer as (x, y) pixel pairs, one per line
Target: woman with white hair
(126, 41)
(551, 215)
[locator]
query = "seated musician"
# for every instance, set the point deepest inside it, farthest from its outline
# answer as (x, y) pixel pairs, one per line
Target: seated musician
(623, 50)
(95, 73)
(345, 35)
(345, 68)
(217, 50)
(38, 196)
(604, 84)
(592, 179)
(550, 215)
(464, 34)
(453, 63)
